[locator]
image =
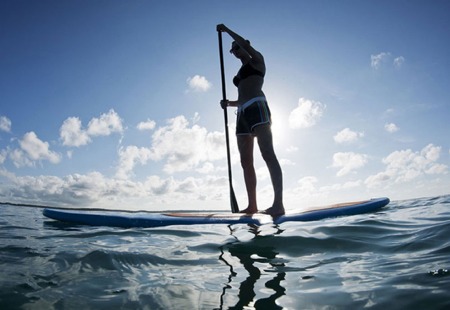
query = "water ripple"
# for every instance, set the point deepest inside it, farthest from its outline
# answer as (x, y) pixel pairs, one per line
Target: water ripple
(393, 259)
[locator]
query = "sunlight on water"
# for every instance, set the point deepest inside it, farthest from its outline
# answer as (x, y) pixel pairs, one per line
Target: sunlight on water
(393, 259)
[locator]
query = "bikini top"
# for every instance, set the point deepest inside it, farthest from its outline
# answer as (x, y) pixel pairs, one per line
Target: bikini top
(246, 71)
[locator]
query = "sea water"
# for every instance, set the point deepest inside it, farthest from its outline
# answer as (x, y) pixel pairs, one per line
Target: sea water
(397, 258)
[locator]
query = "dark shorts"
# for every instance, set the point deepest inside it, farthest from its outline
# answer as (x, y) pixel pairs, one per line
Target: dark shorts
(251, 114)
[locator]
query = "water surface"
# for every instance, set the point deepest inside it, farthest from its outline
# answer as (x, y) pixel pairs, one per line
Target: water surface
(397, 258)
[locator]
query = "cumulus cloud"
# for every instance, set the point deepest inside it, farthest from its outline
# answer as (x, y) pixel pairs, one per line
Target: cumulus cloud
(348, 161)
(147, 125)
(398, 62)
(306, 114)
(33, 149)
(185, 147)
(198, 83)
(347, 136)
(19, 158)
(179, 144)
(378, 60)
(71, 190)
(105, 125)
(129, 157)
(406, 165)
(307, 184)
(391, 127)
(95, 189)
(73, 134)
(5, 124)
(3, 155)
(37, 149)
(310, 192)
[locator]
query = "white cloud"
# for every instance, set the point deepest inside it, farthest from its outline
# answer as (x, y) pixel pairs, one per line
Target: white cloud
(20, 159)
(306, 114)
(198, 83)
(207, 168)
(391, 127)
(159, 186)
(129, 157)
(399, 61)
(35, 149)
(377, 60)
(72, 133)
(377, 179)
(96, 190)
(437, 169)
(185, 147)
(307, 184)
(337, 187)
(181, 145)
(431, 152)
(262, 173)
(292, 149)
(347, 136)
(3, 155)
(309, 192)
(5, 124)
(286, 162)
(147, 125)
(348, 161)
(72, 190)
(406, 165)
(196, 118)
(107, 124)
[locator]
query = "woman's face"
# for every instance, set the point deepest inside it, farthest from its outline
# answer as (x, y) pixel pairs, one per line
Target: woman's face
(236, 50)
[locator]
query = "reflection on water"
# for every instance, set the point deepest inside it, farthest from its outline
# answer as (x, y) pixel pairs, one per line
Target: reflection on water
(394, 259)
(262, 266)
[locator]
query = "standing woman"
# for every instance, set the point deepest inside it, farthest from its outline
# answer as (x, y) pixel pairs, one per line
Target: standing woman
(253, 120)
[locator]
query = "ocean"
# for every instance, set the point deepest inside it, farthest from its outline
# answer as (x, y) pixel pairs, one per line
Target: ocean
(397, 258)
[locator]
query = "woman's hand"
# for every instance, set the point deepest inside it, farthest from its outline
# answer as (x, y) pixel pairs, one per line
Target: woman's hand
(222, 28)
(224, 104)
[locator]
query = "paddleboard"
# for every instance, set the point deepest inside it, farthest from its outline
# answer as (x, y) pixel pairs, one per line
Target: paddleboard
(149, 219)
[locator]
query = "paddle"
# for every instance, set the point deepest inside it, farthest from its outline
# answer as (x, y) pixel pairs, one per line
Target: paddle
(233, 201)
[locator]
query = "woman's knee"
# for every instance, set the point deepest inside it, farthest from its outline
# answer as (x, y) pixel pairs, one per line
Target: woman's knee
(246, 161)
(267, 151)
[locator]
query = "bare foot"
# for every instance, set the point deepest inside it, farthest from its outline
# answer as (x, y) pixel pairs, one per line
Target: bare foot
(249, 211)
(275, 211)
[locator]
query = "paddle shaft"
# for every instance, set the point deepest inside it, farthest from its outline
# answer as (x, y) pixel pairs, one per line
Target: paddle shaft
(233, 201)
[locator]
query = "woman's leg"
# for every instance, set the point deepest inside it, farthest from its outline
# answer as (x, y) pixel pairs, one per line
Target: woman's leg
(245, 145)
(265, 142)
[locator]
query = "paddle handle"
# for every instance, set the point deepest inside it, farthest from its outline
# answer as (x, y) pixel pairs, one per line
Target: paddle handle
(233, 201)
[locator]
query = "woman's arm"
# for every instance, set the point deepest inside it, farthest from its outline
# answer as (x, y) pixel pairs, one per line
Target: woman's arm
(228, 103)
(241, 42)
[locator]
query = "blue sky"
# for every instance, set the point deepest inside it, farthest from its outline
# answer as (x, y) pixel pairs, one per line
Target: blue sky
(115, 104)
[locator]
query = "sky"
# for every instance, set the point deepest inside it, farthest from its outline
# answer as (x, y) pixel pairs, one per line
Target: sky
(115, 104)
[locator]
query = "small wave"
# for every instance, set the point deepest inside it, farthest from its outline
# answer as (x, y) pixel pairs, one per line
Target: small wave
(110, 260)
(398, 256)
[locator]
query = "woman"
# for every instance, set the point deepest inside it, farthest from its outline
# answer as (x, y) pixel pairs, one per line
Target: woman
(253, 120)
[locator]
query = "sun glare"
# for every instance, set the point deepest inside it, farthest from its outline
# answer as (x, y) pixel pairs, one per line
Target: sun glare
(280, 129)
